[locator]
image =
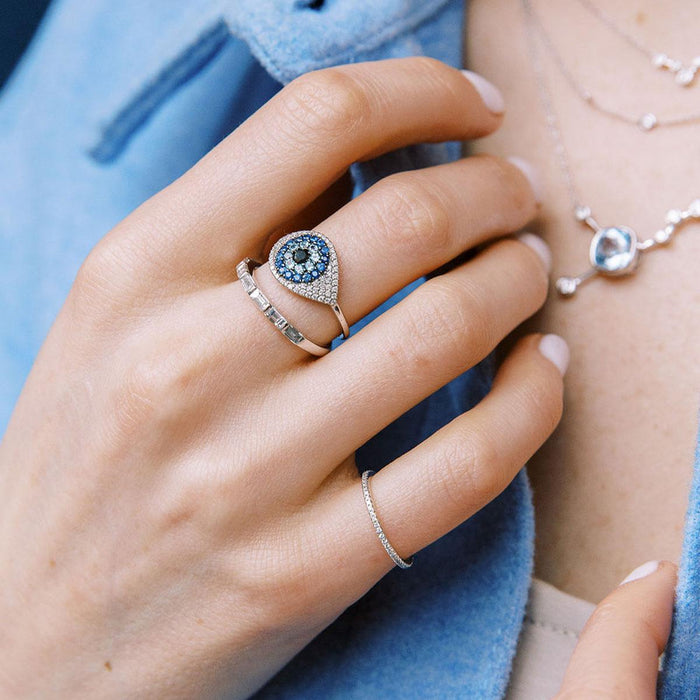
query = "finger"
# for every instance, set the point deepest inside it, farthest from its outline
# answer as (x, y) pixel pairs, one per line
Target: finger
(291, 150)
(618, 652)
(324, 206)
(442, 328)
(403, 227)
(464, 465)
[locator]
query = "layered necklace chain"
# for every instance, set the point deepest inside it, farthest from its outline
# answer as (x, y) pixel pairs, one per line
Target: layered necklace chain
(614, 250)
(684, 73)
(646, 121)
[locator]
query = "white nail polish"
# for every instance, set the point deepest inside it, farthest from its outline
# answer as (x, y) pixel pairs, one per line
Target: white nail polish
(489, 93)
(556, 350)
(530, 172)
(641, 571)
(539, 246)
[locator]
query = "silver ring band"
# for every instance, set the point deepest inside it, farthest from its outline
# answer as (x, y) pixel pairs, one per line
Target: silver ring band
(403, 563)
(244, 270)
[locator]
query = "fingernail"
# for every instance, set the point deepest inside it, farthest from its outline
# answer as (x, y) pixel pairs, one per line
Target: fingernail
(556, 350)
(641, 571)
(530, 173)
(489, 93)
(539, 246)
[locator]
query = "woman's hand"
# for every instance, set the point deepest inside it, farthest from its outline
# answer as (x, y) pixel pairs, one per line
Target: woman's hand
(618, 652)
(180, 510)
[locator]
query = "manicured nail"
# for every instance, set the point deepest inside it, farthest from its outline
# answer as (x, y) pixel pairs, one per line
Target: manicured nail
(641, 571)
(490, 94)
(530, 173)
(539, 246)
(556, 350)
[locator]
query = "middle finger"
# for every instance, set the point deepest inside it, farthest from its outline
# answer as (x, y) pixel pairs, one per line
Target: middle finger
(400, 229)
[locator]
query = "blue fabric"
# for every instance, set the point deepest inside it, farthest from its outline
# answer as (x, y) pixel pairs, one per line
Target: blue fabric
(115, 100)
(680, 677)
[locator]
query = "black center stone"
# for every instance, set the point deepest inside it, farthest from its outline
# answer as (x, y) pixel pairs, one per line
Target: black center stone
(300, 255)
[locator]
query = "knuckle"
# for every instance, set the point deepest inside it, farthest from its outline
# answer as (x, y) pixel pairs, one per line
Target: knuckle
(471, 473)
(327, 103)
(414, 213)
(439, 318)
(153, 391)
(95, 275)
(104, 293)
(606, 614)
(463, 307)
(428, 63)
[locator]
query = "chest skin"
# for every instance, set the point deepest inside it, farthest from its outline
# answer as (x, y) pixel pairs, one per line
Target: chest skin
(611, 485)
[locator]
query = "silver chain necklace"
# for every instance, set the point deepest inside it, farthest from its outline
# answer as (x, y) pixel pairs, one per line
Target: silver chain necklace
(614, 250)
(684, 72)
(646, 121)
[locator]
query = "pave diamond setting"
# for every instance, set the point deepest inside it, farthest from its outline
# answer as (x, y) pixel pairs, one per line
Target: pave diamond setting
(306, 263)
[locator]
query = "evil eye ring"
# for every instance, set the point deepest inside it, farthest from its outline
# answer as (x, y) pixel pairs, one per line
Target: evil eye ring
(306, 263)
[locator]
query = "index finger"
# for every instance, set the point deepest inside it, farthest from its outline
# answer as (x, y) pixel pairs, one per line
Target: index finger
(293, 148)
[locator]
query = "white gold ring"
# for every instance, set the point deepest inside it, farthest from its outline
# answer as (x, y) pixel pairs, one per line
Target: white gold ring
(403, 563)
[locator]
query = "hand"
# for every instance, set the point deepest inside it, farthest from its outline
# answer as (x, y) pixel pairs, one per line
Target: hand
(180, 511)
(617, 655)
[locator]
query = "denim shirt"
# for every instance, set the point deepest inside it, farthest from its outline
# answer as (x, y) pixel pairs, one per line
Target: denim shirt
(113, 101)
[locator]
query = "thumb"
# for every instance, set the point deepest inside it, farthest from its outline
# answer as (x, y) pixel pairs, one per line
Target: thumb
(618, 652)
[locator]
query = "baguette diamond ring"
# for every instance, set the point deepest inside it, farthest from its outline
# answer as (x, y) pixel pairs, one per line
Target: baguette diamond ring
(244, 269)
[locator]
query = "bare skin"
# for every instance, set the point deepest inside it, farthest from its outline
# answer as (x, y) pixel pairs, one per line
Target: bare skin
(611, 485)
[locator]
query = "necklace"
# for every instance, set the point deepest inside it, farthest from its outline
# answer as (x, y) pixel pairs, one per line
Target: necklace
(684, 72)
(614, 250)
(646, 121)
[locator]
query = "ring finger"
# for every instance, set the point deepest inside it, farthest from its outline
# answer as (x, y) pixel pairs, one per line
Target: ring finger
(455, 472)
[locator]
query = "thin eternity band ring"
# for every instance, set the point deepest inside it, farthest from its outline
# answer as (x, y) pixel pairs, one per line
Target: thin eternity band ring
(393, 554)
(244, 270)
(306, 263)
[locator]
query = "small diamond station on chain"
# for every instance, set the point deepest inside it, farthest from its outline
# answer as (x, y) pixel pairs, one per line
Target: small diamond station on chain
(683, 73)
(614, 250)
(647, 121)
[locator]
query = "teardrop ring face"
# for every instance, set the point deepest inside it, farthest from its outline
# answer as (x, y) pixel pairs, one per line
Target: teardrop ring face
(306, 263)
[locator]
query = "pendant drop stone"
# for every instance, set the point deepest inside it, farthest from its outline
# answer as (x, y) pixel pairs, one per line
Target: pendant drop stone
(614, 250)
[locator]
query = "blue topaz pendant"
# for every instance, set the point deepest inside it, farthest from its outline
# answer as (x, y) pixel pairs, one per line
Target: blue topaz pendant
(307, 264)
(616, 250)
